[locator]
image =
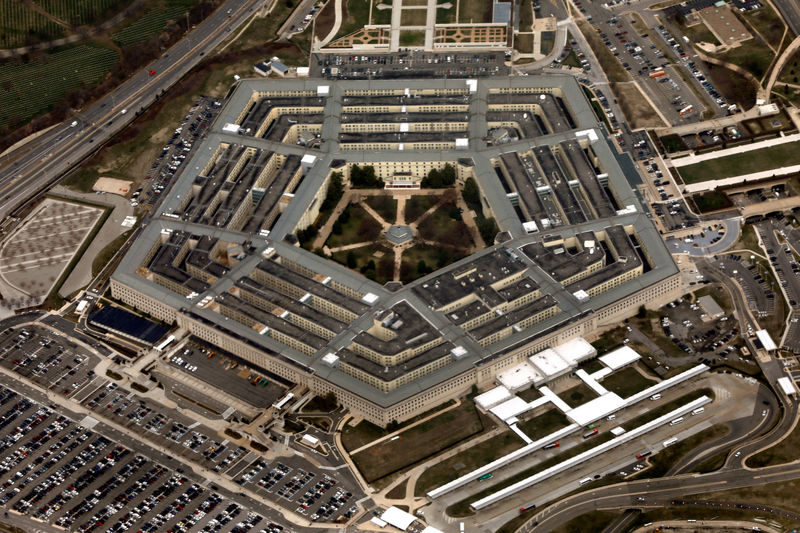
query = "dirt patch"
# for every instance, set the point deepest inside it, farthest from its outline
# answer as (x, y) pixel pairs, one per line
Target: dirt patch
(324, 22)
(636, 108)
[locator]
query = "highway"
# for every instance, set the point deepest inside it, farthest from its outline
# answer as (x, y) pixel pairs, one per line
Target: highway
(29, 169)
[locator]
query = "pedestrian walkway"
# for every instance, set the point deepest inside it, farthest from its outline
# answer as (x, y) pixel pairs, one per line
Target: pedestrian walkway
(693, 158)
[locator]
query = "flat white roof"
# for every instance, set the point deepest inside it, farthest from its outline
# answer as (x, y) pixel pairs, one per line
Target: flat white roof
(430, 529)
(492, 397)
(576, 350)
(619, 357)
(596, 409)
(787, 385)
(230, 128)
(309, 159)
(330, 359)
(398, 518)
(323, 90)
(369, 298)
(311, 440)
(766, 340)
(548, 363)
(590, 381)
(519, 376)
(377, 521)
(510, 408)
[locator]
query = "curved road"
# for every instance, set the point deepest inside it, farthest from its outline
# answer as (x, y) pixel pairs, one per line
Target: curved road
(30, 168)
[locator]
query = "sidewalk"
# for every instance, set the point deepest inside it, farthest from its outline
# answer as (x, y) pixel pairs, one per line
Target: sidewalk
(697, 158)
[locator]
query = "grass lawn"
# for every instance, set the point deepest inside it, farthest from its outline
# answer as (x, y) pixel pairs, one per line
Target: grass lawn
(610, 339)
(446, 15)
(699, 33)
(754, 56)
(592, 521)
(782, 494)
(529, 394)
(685, 512)
(381, 16)
(413, 17)
(785, 451)
(467, 461)
(544, 424)
(748, 240)
(439, 226)
(417, 205)
(524, 43)
(475, 11)
(358, 218)
(462, 508)
(412, 37)
(578, 395)
(767, 23)
(105, 255)
(711, 201)
(572, 60)
(433, 256)
(384, 205)
(592, 366)
(660, 408)
(626, 382)
(419, 442)
(663, 460)
(356, 16)
(381, 256)
(525, 15)
(673, 143)
(744, 163)
(732, 85)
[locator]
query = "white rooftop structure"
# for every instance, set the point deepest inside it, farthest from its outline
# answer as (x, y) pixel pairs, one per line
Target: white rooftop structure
(308, 159)
(492, 397)
(330, 359)
(766, 340)
(530, 227)
(519, 376)
(323, 90)
(548, 363)
(617, 431)
(398, 518)
(596, 409)
(377, 521)
(231, 128)
(430, 529)
(302, 72)
(787, 385)
(619, 358)
(369, 298)
(310, 440)
(462, 143)
(510, 408)
(575, 351)
(581, 295)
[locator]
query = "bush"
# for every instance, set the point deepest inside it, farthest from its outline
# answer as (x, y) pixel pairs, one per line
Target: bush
(365, 178)
(232, 434)
(334, 193)
(440, 179)
(472, 195)
(487, 228)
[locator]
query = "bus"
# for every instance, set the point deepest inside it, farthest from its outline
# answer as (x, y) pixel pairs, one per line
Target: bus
(698, 411)
(669, 442)
(526, 508)
(643, 454)
(676, 421)
(485, 477)
(591, 433)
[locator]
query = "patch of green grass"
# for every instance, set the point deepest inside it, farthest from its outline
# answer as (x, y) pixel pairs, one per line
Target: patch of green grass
(384, 205)
(81, 180)
(666, 458)
(107, 253)
(609, 63)
(417, 205)
(744, 163)
(626, 382)
(711, 201)
(544, 424)
(525, 15)
(445, 15)
(699, 33)
(413, 17)
(609, 340)
(441, 226)
(354, 437)
(381, 16)
(754, 56)
(767, 23)
(20, 25)
(474, 11)
(592, 521)
(353, 221)
(356, 17)
(785, 451)
(467, 461)
(156, 18)
(419, 442)
(673, 143)
(571, 60)
(412, 37)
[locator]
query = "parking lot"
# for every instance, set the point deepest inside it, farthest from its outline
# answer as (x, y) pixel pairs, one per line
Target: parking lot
(750, 276)
(408, 65)
(56, 364)
(175, 152)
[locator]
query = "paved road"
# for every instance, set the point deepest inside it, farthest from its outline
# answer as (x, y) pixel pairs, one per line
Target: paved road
(29, 169)
(790, 9)
(704, 245)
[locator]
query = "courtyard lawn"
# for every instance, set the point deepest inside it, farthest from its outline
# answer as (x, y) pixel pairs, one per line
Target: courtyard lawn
(439, 226)
(626, 382)
(419, 442)
(544, 424)
(356, 226)
(384, 205)
(744, 163)
(578, 395)
(417, 205)
(467, 461)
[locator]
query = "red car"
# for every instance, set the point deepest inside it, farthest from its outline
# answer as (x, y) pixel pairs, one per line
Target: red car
(152, 72)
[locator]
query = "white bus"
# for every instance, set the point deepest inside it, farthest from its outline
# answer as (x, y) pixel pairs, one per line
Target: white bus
(676, 421)
(669, 442)
(698, 411)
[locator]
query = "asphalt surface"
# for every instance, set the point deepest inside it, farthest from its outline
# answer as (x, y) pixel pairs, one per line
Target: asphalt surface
(29, 169)
(790, 10)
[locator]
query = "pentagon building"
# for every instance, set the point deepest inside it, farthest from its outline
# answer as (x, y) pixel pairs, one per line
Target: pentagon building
(575, 253)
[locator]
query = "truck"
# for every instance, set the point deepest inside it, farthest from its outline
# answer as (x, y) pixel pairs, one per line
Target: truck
(643, 454)
(551, 446)
(485, 477)
(526, 508)
(591, 433)
(686, 110)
